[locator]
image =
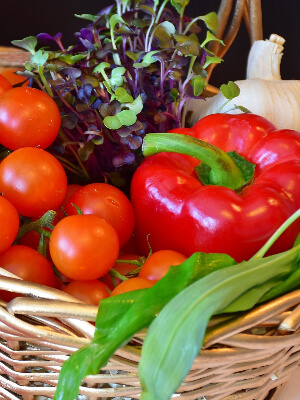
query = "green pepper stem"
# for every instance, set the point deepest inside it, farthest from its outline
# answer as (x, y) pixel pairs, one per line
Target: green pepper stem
(223, 170)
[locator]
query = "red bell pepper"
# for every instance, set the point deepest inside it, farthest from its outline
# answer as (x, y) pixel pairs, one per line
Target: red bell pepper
(174, 210)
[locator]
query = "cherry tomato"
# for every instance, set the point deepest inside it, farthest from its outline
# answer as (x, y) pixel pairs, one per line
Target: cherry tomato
(109, 203)
(159, 263)
(132, 284)
(84, 247)
(28, 264)
(123, 268)
(28, 118)
(33, 180)
(4, 84)
(9, 224)
(71, 189)
(12, 77)
(90, 292)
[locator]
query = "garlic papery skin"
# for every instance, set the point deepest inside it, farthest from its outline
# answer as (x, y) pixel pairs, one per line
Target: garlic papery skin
(263, 92)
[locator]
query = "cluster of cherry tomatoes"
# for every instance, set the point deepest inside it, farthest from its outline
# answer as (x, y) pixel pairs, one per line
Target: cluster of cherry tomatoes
(88, 248)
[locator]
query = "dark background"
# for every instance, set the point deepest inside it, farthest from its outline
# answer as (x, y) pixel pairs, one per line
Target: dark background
(26, 18)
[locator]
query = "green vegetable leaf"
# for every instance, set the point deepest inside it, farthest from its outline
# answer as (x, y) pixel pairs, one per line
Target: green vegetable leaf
(89, 17)
(211, 21)
(86, 150)
(39, 58)
(127, 117)
(175, 337)
(29, 43)
(136, 106)
(123, 96)
(117, 76)
(212, 60)
(147, 9)
(148, 59)
(124, 117)
(101, 67)
(163, 32)
(133, 55)
(230, 91)
(198, 83)
(129, 313)
(242, 108)
(210, 37)
(114, 20)
(188, 48)
(179, 4)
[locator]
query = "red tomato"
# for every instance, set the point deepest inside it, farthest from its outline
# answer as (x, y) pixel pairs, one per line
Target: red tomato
(33, 180)
(90, 292)
(109, 203)
(71, 189)
(123, 268)
(132, 284)
(4, 85)
(9, 224)
(12, 77)
(28, 264)
(28, 118)
(84, 247)
(159, 263)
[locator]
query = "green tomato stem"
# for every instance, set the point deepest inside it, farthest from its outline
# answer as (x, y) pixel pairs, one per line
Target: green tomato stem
(224, 171)
(45, 221)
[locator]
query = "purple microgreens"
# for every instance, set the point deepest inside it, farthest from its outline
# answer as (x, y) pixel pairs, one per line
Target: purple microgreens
(45, 38)
(131, 71)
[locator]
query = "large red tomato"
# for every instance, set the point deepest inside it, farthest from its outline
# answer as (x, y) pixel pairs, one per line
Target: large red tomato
(28, 118)
(90, 292)
(9, 224)
(4, 85)
(84, 247)
(27, 264)
(33, 180)
(109, 203)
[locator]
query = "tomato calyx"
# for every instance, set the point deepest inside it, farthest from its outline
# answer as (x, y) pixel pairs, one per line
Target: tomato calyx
(216, 168)
(39, 225)
(116, 274)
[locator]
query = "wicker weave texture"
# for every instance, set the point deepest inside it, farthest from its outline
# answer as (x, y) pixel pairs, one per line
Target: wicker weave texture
(247, 356)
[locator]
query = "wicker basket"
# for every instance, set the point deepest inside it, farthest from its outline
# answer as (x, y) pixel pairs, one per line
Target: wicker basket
(249, 357)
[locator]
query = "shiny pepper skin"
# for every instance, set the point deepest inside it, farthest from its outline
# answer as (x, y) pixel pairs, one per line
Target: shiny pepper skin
(175, 211)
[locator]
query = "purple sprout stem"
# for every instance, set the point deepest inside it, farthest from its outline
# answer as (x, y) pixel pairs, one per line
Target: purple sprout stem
(80, 117)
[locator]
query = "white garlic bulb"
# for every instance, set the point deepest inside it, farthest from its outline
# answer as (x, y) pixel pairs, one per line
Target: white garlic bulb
(263, 92)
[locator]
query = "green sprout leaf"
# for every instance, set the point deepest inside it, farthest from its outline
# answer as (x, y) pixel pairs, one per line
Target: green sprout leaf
(168, 27)
(209, 38)
(179, 4)
(39, 58)
(114, 20)
(198, 83)
(86, 150)
(136, 106)
(133, 55)
(147, 9)
(29, 43)
(124, 117)
(188, 48)
(212, 60)
(123, 96)
(230, 91)
(116, 78)
(89, 17)
(211, 21)
(148, 59)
